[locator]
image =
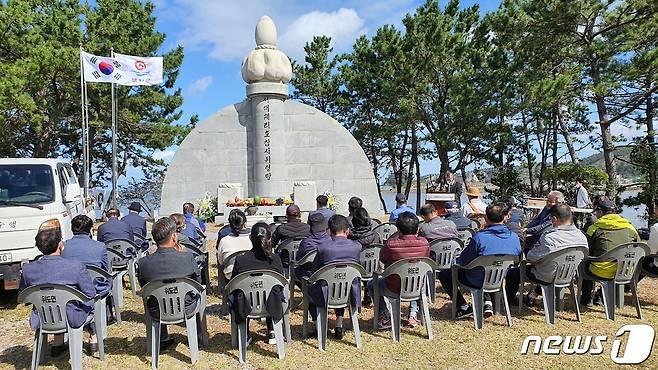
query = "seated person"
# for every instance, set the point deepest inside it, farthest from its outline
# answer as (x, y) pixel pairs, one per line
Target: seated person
(231, 244)
(167, 263)
(651, 264)
(515, 216)
(83, 248)
(322, 202)
(293, 229)
(609, 231)
(495, 238)
(227, 229)
(435, 227)
(475, 207)
(192, 223)
(319, 235)
(260, 257)
(136, 222)
(455, 214)
(563, 235)
(183, 239)
(542, 222)
(52, 268)
(405, 244)
(352, 204)
(114, 228)
(361, 230)
(400, 207)
(338, 249)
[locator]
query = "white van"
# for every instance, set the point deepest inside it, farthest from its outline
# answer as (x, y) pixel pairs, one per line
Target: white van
(33, 190)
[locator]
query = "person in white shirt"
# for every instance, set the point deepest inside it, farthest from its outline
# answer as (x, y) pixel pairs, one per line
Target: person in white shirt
(475, 207)
(233, 243)
(582, 196)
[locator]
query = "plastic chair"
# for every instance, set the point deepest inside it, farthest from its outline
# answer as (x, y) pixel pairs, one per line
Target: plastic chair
(627, 256)
(495, 267)
(291, 246)
(445, 253)
(308, 258)
(566, 262)
(465, 235)
(257, 286)
(201, 258)
(339, 277)
(123, 255)
(369, 260)
(100, 307)
(49, 301)
(170, 295)
(221, 279)
(413, 274)
(385, 231)
(476, 222)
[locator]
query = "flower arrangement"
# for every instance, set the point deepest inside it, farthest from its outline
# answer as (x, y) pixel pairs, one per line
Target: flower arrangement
(333, 203)
(207, 208)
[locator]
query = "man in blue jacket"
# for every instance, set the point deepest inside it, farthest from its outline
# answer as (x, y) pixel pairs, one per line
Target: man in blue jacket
(400, 207)
(114, 228)
(192, 222)
(87, 250)
(542, 222)
(336, 249)
(496, 238)
(136, 222)
(319, 235)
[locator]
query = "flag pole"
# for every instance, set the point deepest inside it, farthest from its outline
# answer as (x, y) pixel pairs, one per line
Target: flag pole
(85, 154)
(114, 145)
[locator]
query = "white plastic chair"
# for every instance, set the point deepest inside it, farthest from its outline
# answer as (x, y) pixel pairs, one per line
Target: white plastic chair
(445, 253)
(100, 307)
(385, 231)
(123, 256)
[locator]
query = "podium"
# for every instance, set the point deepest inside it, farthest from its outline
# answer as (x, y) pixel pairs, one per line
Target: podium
(439, 200)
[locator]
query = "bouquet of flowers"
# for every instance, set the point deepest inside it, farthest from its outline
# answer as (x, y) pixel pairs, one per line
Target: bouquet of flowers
(333, 203)
(207, 208)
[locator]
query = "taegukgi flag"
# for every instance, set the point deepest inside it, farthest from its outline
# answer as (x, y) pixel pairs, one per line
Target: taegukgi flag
(123, 69)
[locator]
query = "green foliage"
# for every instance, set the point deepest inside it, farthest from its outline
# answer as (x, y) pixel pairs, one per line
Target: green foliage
(40, 83)
(508, 183)
(646, 159)
(564, 176)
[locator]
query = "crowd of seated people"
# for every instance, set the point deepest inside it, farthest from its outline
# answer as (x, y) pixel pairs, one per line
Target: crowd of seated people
(336, 238)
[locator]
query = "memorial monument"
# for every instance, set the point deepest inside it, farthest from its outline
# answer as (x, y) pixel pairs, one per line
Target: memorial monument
(269, 146)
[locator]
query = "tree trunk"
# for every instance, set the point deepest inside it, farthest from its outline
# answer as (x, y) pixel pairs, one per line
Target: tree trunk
(651, 139)
(528, 154)
(567, 137)
(444, 159)
(554, 148)
(418, 190)
(606, 134)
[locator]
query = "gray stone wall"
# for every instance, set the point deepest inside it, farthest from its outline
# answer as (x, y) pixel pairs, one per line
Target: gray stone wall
(317, 148)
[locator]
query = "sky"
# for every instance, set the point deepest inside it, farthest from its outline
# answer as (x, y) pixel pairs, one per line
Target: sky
(218, 34)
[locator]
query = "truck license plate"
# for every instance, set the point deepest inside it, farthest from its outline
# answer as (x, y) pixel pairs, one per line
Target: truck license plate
(5, 257)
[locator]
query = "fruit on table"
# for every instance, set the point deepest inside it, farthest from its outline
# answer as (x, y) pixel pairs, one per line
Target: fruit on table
(257, 200)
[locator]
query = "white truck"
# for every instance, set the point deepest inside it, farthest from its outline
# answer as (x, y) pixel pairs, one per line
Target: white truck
(33, 190)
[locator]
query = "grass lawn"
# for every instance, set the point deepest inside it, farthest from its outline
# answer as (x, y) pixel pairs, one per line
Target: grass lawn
(455, 344)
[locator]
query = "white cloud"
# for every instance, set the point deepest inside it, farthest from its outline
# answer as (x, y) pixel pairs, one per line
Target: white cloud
(343, 26)
(200, 85)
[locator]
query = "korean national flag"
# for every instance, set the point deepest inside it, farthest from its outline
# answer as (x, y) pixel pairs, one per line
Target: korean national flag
(123, 69)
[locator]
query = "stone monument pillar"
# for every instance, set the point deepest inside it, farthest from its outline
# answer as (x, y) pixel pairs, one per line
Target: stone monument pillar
(267, 71)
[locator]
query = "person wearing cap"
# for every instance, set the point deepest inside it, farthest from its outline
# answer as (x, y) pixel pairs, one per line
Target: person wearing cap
(293, 229)
(609, 231)
(114, 228)
(319, 235)
(475, 207)
(136, 222)
(322, 202)
(400, 207)
(455, 214)
(434, 226)
(542, 222)
(52, 268)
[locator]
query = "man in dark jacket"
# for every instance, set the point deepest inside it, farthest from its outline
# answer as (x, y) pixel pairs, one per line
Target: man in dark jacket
(404, 245)
(167, 263)
(338, 249)
(319, 235)
(542, 222)
(136, 222)
(87, 250)
(293, 229)
(434, 226)
(114, 228)
(496, 238)
(455, 214)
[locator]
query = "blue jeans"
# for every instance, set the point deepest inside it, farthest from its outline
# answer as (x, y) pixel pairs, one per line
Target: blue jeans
(383, 311)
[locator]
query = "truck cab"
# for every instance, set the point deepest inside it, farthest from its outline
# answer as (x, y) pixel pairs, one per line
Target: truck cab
(33, 190)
